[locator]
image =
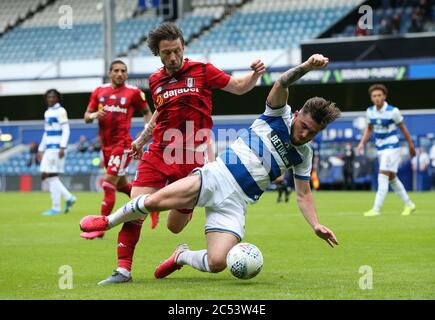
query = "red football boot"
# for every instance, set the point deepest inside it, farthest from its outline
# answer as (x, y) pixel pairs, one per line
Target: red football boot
(170, 265)
(94, 223)
(92, 235)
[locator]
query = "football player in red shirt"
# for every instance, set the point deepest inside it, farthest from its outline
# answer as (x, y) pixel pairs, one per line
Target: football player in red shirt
(113, 104)
(182, 92)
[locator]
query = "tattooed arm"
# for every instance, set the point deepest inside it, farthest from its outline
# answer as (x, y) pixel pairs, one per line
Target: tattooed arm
(278, 95)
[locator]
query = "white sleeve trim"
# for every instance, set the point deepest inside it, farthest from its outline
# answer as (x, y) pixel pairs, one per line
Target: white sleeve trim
(277, 112)
(397, 116)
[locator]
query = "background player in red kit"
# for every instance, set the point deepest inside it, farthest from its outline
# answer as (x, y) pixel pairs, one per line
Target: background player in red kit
(113, 104)
(181, 92)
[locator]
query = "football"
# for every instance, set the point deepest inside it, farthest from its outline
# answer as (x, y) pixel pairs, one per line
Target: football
(244, 261)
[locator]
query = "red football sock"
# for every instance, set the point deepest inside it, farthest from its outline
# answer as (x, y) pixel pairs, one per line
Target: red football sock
(109, 198)
(154, 219)
(126, 189)
(127, 239)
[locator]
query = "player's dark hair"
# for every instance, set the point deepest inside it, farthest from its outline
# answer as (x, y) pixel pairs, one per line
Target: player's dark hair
(57, 93)
(165, 31)
(117, 62)
(322, 111)
(378, 86)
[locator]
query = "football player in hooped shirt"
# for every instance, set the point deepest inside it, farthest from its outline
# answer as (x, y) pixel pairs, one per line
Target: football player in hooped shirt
(182, 92)
(383, 120)
(113, 104)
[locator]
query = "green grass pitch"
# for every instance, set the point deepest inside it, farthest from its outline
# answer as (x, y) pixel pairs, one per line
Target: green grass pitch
(297, 265)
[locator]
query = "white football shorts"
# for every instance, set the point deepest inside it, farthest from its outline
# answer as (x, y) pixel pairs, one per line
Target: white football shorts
(224, 202)
(389, 159)
(51, 163)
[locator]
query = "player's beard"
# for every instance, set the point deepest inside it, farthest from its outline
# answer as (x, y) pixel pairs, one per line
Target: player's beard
(297, 141)
(118, 82)
(175, 67)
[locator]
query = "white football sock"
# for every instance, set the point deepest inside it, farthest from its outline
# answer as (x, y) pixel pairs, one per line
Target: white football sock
(400, 190)
(64, 191)
(382, 192)
(55, 193)
(195, 259)
(132, 210)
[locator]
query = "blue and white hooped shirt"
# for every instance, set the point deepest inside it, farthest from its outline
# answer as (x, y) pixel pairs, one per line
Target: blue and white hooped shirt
(385, 122)
(56, 128)
(256, 157)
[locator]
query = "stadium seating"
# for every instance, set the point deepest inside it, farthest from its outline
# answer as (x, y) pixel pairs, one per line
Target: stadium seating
(192, 24)
(280, 24)
(77, 163)
(210, 3)
(404, 10)
(212, 26)
(83, 12)
(28, 42)
(13, 10)
(83, 41)
(255, 25)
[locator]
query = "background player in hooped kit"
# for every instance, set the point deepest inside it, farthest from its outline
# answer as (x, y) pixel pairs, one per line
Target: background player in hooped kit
(275, 142)
(384, 119)
(52, 150)
(182, 92)
(113, 104)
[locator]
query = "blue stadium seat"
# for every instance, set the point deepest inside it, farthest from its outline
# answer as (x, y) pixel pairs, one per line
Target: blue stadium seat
(83, 41)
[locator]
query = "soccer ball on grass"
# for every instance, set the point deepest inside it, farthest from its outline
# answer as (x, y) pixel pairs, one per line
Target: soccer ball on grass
(244, 261)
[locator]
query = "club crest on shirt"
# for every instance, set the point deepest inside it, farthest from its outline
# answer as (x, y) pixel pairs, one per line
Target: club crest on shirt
(159, 100)
(123, 100)
(190, 82)
(63, 116)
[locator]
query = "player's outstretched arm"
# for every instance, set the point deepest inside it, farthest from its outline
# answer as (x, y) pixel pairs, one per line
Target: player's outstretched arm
(243, 84)
(306, 205)
(278, 95)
